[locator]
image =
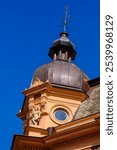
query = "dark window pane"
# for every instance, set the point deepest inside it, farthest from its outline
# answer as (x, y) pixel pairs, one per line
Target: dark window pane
(60, 114)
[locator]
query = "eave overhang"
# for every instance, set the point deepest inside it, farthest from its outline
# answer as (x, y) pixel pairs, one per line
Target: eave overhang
(80, 129)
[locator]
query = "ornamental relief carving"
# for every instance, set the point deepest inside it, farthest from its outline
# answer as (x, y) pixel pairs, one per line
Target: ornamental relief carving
(36, 82)
(35, 113)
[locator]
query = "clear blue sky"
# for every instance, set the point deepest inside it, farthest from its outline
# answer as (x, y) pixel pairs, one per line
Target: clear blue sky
(27, 30)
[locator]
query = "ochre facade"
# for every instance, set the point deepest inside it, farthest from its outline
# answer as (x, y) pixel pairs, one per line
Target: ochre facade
(60, 109)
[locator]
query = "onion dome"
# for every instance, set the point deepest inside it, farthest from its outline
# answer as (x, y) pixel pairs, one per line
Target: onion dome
(61, 72)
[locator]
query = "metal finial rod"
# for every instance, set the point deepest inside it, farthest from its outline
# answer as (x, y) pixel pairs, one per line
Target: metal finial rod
(67, 18)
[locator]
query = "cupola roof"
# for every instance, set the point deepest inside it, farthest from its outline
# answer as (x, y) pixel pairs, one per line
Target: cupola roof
(62, 48)
(61, 71)
(63, 74)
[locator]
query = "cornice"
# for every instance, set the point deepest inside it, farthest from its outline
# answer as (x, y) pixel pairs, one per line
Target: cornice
(76, 139)
(36, 89)
(79, 122)
(52, 89)
(40, 143)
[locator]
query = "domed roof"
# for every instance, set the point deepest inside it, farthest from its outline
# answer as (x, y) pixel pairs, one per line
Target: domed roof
(62, 73)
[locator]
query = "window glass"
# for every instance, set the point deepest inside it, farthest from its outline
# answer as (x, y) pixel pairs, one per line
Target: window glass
(61, 114)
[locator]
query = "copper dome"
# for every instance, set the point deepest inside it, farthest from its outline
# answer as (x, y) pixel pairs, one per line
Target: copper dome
(62, 73)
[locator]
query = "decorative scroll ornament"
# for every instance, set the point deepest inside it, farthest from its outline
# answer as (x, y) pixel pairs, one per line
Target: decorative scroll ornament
(35, 114)
(35, 111)
(36, 82)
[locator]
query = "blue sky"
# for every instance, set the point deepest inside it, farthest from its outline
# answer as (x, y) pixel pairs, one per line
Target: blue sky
(27, 30)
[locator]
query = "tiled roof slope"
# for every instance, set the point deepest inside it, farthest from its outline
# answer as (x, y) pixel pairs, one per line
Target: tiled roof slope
(91, 105)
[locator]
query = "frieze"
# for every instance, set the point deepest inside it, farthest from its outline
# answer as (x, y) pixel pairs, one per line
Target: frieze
(74, 140)
(32, 148)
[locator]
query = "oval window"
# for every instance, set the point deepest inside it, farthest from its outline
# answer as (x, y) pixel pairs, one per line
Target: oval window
(61, 114)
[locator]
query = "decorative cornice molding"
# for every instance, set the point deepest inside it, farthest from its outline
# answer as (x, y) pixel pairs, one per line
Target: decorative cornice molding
(36, 143)
(66, 142)
(27, 147)
(76, 139)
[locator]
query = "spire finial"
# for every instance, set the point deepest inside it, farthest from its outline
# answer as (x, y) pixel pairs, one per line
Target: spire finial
(67, 18)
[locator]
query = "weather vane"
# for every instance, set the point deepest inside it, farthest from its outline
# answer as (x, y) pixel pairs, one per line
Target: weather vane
(67, 18)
